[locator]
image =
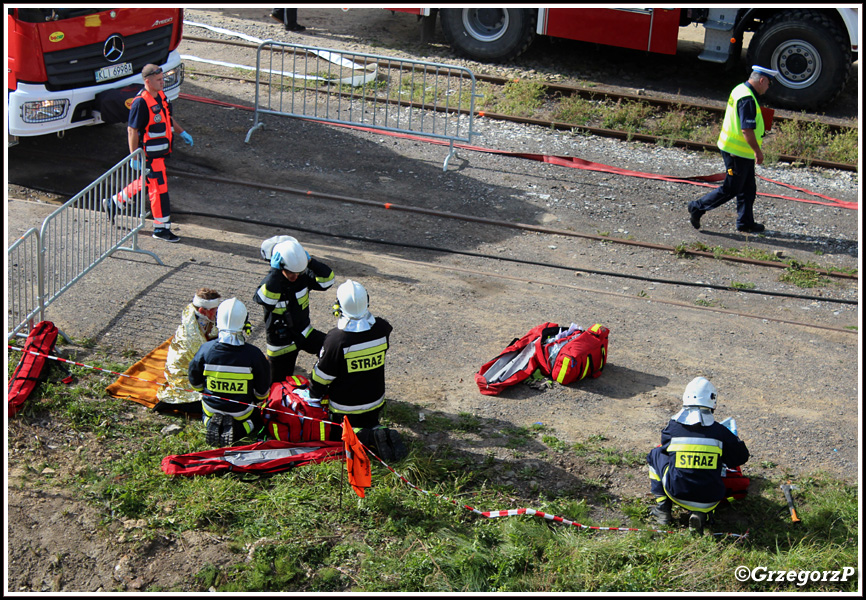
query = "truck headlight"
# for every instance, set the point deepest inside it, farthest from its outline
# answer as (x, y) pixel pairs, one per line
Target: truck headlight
(174, 77)
(44, 110)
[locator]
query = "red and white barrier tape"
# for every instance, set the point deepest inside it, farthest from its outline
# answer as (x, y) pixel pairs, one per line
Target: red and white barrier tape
(492, 514)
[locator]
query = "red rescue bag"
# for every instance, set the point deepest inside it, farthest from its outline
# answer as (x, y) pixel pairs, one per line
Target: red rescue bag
(516, 363)
(263, 458)
(290, 416)
(736, 484)
(29, 371)
(568, 357)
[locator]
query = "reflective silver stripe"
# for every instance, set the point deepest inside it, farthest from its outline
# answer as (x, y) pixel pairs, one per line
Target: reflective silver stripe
(277, 350)
(227, 368)
(151, 147)
(690, 504)
(300, 294)
(306, 332)
(343, 408)
(696, 441)
(364, 345)
(211, 411)
(265, 298)
(319, 374)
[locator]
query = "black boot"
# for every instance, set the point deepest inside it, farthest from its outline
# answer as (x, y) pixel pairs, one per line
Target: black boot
(389, 444)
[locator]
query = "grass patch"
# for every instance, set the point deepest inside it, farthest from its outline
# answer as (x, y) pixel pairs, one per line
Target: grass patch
(304, 531)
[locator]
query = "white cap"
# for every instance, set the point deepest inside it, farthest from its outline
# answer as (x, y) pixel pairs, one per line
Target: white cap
(765, 71)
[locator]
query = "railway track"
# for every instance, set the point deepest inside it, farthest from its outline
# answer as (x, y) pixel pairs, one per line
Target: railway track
(556, 89)
(211, 180)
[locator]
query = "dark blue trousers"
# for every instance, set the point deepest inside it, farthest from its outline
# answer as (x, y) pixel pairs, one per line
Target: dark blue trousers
(739, 183)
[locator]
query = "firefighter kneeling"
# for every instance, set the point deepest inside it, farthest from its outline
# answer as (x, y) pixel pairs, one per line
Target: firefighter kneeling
(233, 377)
(349, 376)
(686, 469)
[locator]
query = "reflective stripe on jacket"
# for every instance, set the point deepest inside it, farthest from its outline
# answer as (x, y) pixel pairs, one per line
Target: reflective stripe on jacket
(157, 135)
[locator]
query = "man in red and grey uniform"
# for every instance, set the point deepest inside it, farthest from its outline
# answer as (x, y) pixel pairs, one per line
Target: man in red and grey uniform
(233, 377)
(686, 469)
(740, 142)
(151, 126)
(285, 296)
(349, 376)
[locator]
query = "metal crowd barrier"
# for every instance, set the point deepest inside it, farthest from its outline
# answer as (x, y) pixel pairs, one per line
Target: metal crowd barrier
(365, 90)
(74, 239)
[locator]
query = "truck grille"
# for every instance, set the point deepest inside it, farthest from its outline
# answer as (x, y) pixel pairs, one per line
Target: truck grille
(75, 68)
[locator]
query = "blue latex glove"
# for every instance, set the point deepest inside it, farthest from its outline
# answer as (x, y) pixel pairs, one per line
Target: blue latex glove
(186, 137)
(135, 163)
(276, 261)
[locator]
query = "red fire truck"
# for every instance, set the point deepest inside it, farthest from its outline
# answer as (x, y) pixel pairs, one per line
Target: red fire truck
(812, 48)
(70, 67)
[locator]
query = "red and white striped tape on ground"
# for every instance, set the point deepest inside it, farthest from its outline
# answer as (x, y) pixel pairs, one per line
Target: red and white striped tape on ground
(492, 514)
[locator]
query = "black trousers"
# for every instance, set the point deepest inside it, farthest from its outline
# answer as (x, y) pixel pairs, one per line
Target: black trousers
(739, 183)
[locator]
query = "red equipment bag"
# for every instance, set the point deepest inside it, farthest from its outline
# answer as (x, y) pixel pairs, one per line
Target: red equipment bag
(29, 371)
(289, 415)
(736, 484)
(516, 363)
(262, 458)
(572, 356)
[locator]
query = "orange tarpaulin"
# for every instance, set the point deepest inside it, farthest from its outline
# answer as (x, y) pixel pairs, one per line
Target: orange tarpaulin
(357, 462)
(143, 379)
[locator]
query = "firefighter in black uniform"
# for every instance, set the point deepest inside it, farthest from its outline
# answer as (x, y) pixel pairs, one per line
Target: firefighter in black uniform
(350, 373)
(686, 469)
(285, 296)
(233, 377)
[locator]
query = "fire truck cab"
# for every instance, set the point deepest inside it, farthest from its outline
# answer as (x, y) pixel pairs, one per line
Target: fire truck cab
(64, 64)
(812, 48)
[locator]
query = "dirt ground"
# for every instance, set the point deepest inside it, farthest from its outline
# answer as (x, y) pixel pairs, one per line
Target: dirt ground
(787, 368)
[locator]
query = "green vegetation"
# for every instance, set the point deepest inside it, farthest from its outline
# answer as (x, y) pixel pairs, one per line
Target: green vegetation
(803, 275)
(306, 531)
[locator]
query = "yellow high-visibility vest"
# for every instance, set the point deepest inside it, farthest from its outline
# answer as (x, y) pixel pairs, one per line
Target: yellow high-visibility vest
(731, 139)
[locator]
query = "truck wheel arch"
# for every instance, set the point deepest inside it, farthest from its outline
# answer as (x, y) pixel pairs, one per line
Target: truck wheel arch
(489, 34)
(810, 52)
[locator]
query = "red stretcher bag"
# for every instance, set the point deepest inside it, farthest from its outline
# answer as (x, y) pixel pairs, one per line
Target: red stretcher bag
(263, 458)
(290, 416)
(30, 369)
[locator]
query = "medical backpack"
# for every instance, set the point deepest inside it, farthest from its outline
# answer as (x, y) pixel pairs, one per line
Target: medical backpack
(565, 354)
(290, 415)
(570, 353)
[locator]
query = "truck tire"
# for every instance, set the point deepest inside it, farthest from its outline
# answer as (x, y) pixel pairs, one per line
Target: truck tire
(489, 34)
(810, 52)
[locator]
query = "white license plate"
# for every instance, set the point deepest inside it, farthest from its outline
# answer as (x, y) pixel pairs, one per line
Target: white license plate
(113, 72)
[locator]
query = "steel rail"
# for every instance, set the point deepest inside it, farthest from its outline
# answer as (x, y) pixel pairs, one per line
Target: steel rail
(450, 215)
(571, 90)
(496, 222)
(563, 126)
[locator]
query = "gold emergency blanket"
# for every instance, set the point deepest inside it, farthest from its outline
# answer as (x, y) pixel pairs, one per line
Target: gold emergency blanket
(186, 341)
(142, 380)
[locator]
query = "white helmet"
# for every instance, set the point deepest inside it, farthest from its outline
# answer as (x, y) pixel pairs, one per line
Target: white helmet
(700, 392)
(353, 299)
(231, 316)
(291, 256)
(268, 244)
